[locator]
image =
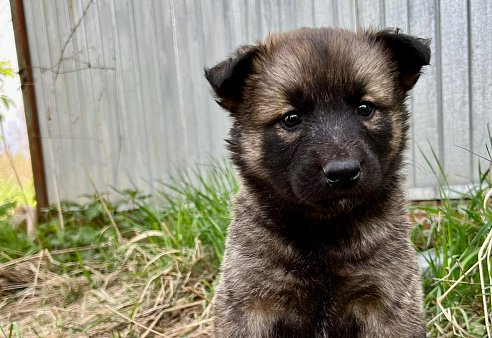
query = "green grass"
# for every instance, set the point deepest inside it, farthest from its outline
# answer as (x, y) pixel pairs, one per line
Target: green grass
(167, 261)
(451, 236)
(11, 192)
(161, 276)
(11, 331)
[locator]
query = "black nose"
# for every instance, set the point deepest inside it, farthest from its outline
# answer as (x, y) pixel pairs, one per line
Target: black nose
(342, 174)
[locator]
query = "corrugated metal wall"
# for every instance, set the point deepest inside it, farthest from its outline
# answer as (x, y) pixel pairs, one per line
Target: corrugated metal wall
(120, 87)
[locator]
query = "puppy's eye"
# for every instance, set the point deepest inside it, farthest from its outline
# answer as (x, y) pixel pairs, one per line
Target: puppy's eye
(290, 120)
(366, 109)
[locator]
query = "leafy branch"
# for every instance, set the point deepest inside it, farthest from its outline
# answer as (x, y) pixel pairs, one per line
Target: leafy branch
(5, 71)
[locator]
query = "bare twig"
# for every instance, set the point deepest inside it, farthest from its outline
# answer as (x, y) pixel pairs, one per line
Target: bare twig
(49, 111)
(135, 322)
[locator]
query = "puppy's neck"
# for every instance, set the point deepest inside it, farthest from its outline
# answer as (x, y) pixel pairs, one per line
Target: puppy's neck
(344, 237)
(270, 205)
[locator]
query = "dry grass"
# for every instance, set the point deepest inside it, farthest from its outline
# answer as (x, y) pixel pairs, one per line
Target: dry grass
(154, 279)
(150, 292)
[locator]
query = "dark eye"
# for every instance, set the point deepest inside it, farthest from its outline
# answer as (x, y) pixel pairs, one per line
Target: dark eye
(366, 109)
(290, 120)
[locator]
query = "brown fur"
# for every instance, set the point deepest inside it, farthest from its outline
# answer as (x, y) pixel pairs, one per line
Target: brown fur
(303, 259)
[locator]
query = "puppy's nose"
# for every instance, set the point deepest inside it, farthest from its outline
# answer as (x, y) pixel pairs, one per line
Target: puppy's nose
(342, 174)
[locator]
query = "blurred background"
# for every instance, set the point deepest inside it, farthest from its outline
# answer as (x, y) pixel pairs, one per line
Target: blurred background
(12, 116)
(118, 85)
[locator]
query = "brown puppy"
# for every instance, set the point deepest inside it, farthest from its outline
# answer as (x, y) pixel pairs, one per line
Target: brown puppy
(319, 246)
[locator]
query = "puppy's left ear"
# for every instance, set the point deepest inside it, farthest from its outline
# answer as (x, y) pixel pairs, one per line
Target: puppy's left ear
(410, 54)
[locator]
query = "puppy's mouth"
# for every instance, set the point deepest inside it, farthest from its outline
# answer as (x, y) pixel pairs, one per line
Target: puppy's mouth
(330, 207)
(342, 196)
(332, 197)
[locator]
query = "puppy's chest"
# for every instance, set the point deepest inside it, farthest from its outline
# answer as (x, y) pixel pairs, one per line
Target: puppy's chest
(324, 283)
(321, 303)
(313, 281)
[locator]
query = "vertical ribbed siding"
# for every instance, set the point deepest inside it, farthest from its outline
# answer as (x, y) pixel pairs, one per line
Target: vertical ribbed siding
(455, 99)
(480, 55)
(425, 102)
(131, 103)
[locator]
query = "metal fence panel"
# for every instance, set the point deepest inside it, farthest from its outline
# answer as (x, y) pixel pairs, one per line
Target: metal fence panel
(120, 87)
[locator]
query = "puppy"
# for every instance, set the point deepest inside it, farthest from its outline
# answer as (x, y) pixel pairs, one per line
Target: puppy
(319, 246)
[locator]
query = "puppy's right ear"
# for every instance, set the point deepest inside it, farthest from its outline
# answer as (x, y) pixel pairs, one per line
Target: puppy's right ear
(228, 77)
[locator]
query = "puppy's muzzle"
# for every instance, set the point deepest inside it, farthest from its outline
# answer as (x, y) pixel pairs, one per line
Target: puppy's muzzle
(342, 174)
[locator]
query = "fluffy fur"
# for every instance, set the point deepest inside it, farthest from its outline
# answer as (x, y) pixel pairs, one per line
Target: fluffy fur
(305, 259)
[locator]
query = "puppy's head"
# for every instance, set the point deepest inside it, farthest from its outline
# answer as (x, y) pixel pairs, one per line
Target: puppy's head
(319, 115)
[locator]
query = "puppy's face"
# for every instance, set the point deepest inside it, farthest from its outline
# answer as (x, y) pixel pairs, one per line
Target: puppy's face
(319, 114)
